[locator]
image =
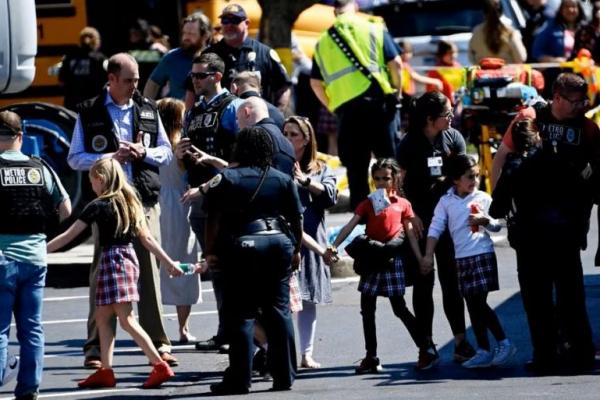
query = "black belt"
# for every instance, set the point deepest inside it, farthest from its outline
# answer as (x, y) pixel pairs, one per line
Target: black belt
(266, 226)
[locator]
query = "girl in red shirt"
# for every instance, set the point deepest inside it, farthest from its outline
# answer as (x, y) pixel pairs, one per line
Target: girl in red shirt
(389, 223)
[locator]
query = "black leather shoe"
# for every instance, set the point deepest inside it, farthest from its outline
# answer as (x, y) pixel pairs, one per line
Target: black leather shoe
(224, 389)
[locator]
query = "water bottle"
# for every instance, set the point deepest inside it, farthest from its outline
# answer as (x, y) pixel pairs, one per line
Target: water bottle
(187, 268)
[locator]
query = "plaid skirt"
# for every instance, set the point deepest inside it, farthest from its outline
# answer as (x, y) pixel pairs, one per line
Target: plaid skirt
(295, 294)
(118, 274)
(387, 283)
(477, 274)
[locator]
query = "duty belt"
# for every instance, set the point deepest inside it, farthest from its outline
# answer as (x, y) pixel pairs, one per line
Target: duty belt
(265, 226)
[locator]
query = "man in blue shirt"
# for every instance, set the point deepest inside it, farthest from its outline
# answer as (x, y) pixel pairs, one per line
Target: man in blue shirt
(30, 195)
(122, 124)
(174, 67)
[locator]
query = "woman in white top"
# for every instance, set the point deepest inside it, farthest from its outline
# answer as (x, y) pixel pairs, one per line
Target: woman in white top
(496, 38)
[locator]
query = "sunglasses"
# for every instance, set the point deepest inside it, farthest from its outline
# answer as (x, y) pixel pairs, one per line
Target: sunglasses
(231, 20)
(382, 178)
(201, 75)
(577, 103)
(447, 114)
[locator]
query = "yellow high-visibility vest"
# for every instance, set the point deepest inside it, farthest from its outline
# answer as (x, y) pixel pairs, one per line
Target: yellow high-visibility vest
(343, 80)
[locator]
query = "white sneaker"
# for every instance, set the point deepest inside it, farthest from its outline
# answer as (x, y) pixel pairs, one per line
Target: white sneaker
(481, 359)
(503, 354)
(11, 369)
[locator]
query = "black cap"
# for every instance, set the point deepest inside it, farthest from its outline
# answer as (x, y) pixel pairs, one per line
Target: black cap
(234, 10)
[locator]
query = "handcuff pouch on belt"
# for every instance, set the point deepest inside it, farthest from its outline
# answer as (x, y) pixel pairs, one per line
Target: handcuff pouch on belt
(371, 256)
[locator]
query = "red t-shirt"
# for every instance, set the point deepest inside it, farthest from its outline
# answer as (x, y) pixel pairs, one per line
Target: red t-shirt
(388, 224)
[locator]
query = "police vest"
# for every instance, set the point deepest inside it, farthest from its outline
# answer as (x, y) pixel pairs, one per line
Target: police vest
(343, 80)
(25, 203)
(562, 141)
(206, 133)
(100, 137)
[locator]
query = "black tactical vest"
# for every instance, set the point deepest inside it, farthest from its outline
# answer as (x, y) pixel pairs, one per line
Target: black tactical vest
(25, 203)
(562, 141)
(99, 137)
(206, 133)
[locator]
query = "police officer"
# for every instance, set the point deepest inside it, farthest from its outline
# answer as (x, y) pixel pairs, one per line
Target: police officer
(254, 112)
(246, 84)
(210, 129)
(555, 226)
(82, 72)
(122, 124)
(30, 194)
(356, 73)
(242, 53)
(254, 233)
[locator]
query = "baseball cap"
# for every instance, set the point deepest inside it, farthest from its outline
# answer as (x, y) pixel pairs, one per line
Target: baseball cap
(234, 10)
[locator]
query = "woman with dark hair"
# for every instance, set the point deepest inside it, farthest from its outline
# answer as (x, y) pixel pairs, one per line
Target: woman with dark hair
(316, 184)
(556, 39)
(82, 72)
(587, 36)
(253, 234)
(494, 38)
(422, 157)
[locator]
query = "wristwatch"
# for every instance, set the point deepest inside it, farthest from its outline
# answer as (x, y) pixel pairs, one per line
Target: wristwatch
(306, 182)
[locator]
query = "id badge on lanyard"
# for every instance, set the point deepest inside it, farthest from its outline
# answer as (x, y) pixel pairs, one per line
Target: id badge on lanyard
(435, 166)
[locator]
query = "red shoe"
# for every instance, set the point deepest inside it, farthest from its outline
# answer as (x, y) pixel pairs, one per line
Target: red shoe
(103, 377)
(160, 373)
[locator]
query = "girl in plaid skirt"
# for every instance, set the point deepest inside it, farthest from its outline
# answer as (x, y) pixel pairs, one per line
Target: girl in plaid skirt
(463, 210)
(390, 223)
(120, 217)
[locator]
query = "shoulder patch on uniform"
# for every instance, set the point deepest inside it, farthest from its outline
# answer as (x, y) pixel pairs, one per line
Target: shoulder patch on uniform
(214, 182)
(274, 55)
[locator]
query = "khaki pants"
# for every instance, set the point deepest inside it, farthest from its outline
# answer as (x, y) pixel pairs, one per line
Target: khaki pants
(150, 304)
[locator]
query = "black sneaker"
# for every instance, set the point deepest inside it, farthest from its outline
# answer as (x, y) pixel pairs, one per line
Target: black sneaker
(463, 352)
(208, 345)
(428, 358)
(368, 365)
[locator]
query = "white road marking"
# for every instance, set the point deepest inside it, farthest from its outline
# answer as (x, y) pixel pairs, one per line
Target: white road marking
(79, 393)
(72, 321)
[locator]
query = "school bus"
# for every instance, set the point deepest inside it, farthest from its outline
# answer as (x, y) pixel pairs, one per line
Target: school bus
(58, 26)
(60, 21)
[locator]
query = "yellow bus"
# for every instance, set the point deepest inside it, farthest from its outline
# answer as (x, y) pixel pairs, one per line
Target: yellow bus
(58, 25)
(60, 21)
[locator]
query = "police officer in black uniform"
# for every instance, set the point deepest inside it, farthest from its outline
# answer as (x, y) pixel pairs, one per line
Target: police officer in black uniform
(241, 53)
(254, 112)
(210, 128)
(554, 193)
(254, 233)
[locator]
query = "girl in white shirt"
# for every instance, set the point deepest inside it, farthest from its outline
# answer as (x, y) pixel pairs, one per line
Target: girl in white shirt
(463, 211)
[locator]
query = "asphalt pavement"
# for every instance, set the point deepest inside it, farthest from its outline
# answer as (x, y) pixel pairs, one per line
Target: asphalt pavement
(338, 346)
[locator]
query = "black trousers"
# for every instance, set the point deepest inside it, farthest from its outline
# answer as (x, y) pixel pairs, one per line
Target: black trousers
(452, 301)
(368, 306)
(483, 317)
(548, 270)
(257, 274)
(365, 126)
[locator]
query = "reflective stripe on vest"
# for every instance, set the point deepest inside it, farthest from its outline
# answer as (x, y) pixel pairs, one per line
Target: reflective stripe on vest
(343, 80)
